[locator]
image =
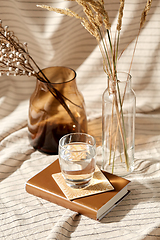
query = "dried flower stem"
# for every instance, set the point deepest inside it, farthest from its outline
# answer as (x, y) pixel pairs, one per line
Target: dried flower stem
(143, 19)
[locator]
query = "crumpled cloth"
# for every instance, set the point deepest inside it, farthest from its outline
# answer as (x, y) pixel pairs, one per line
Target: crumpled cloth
(56, 40)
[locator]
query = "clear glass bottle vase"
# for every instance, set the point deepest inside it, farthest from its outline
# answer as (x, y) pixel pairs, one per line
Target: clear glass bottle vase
(118, 126)
(56, 108)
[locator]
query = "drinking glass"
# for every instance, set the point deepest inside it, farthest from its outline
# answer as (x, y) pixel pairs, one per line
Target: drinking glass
(77, 158)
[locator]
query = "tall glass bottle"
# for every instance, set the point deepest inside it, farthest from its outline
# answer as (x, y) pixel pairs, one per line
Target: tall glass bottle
(118, 126)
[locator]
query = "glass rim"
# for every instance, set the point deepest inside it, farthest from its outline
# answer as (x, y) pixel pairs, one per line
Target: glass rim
(58, 83)
(128, 76)
(73, 134)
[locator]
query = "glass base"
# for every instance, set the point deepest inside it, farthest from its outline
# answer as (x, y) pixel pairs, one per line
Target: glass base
(118, 169)
(78, 184)
(46, 151)
(117, 163)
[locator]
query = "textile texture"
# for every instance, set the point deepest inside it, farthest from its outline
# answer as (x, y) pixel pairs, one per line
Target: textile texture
(57, 40)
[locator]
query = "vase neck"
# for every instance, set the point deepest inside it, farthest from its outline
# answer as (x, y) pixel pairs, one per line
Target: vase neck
(57, 75)
(122, 82)
(60, 78)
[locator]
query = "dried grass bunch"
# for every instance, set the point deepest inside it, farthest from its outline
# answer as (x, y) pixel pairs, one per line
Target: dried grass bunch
(96, 22)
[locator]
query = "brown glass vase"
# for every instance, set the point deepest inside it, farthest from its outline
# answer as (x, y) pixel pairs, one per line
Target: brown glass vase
(56, 108)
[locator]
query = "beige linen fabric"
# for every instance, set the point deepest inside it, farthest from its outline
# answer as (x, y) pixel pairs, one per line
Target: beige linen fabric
(56, 40)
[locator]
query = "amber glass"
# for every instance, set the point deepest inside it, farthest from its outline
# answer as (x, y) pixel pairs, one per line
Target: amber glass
(49, 119)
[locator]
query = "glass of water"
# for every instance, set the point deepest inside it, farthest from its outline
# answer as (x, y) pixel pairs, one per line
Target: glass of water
(77, 158)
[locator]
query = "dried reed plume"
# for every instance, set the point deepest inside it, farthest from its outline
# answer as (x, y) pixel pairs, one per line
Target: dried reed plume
(145, 12)
(120, 16)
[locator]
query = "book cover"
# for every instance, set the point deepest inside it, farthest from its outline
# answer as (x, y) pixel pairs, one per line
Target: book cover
(94, 206)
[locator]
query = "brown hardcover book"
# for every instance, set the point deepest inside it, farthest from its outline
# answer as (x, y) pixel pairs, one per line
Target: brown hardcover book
(94, 206)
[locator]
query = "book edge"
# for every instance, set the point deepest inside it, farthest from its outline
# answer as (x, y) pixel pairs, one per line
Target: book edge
(127, 192)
